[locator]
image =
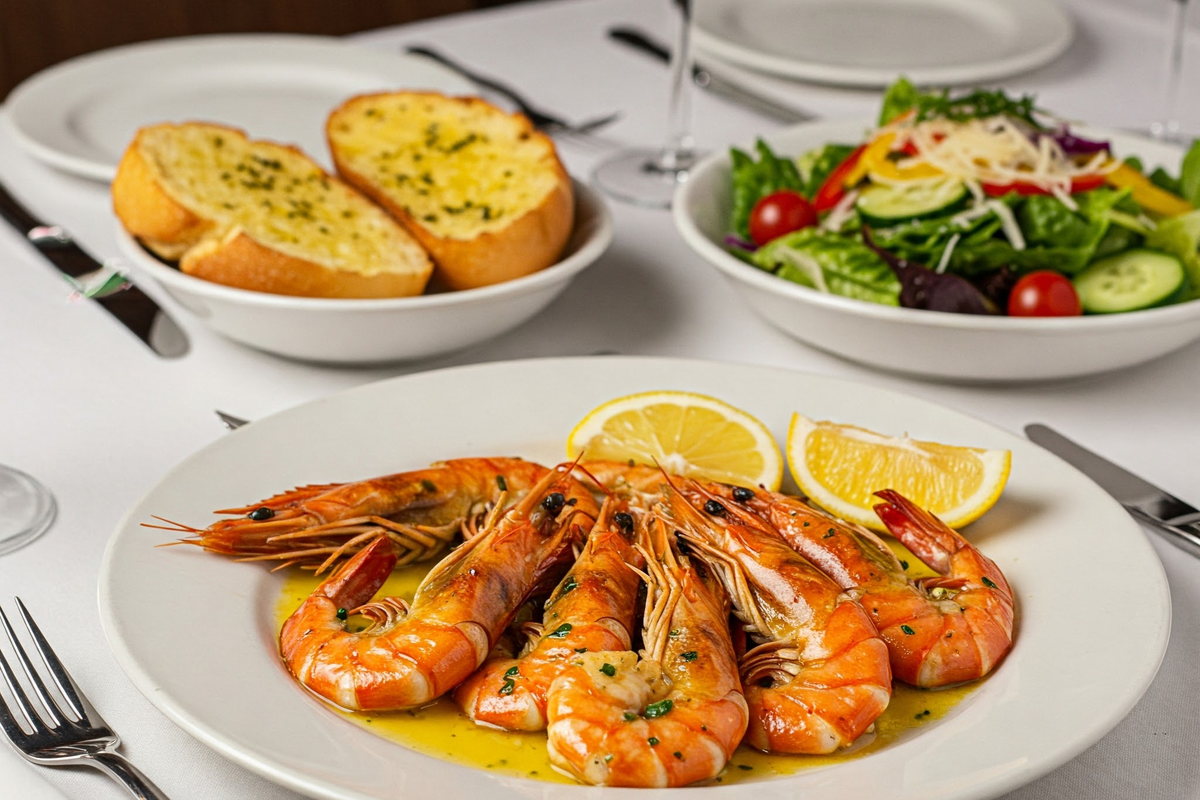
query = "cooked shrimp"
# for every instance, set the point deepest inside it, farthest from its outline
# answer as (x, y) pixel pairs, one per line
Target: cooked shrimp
(420, 511)
(965, 626)
(674, 717)
(931, 641)
(413, 653)
(591, 609)
(819, 676)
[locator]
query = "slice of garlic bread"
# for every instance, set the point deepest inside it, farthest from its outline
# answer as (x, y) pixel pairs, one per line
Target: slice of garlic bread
(480, 188)
(260, 216)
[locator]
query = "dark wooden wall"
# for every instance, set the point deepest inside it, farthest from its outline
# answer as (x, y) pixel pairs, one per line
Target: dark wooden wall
(37, 33)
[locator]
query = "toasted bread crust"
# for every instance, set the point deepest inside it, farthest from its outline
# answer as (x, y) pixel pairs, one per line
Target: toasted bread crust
(528, 242)
(221, 250)
(238, 260)
(148, 212)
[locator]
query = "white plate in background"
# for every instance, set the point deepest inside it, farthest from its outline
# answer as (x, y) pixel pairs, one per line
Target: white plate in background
(872, 42)
(80, 115)
(196, 633)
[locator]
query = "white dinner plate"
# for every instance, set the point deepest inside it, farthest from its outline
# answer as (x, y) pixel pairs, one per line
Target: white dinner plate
(196, 632)
(871, 42)
(80, 115)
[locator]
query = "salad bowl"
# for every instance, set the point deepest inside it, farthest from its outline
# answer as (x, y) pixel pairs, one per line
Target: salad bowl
(930, 344)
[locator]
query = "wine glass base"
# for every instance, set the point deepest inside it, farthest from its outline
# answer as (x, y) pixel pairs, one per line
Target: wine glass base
(634, 176)
(26, 509)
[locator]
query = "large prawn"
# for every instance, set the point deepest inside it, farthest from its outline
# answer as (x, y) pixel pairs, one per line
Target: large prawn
(670, 719)
(819, 676)
(421, 511)
(592, 609)
(413, 653)
(938, 631)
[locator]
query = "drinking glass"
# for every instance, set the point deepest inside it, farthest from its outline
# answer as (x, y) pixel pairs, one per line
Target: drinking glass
(648, 176)
(1168, 127)
(26, 509)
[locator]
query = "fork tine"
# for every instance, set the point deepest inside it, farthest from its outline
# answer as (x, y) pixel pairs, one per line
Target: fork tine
(8, 719)
(39, 688)
(78, 702)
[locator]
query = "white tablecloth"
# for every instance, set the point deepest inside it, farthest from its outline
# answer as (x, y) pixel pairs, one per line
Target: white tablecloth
(87, 409)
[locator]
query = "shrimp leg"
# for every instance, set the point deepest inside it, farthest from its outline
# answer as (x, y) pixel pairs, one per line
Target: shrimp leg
(591, 609)
(413, 653)
(673, 717)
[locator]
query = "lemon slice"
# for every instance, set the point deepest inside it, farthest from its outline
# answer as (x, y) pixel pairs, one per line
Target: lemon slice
(685, 433)
(840, 467)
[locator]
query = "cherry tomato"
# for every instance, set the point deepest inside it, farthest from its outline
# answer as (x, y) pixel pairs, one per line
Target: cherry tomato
(780, 213)
(1044, 294)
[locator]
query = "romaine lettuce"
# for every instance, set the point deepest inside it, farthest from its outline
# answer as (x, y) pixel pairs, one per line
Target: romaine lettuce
(830, 263)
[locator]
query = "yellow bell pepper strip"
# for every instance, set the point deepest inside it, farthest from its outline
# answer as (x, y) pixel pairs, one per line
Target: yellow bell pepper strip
(1146, 194)
(875, 152)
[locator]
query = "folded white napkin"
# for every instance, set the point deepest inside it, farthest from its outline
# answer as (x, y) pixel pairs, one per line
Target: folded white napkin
(23, 780)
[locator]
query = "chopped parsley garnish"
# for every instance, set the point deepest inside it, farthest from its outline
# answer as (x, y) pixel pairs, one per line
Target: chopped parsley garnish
(561, 631)
(690, 655)
(653, 740)
(630, 716)
(608, 669)
(988, 583)
(907, 630)
(507, 688)
(513, 670)
(658, 709)
(501, 484)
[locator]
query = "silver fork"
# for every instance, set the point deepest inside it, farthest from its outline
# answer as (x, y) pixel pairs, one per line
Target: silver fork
(542, 120)
(59, 736)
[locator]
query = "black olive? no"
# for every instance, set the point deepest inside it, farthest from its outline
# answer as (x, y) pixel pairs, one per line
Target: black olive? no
(554, 502)
(714, 508)
(742, 494)
(623, 521)
(260, 514)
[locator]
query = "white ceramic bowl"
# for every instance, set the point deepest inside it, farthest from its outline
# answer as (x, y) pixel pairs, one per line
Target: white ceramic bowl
(373, 331)
(956, 347)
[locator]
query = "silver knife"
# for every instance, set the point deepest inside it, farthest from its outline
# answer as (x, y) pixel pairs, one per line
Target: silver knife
(724, 87)
(103, 283)
(1175, 519)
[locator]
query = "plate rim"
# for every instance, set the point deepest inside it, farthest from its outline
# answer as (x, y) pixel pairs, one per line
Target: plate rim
(224, 744)
(713, 44)
(25, 97)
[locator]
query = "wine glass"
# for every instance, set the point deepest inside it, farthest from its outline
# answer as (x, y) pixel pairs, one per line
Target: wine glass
(1168, 128)
(647, 176)
(26, 509)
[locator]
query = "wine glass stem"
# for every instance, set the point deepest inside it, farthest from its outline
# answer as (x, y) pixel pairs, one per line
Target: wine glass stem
(1168, 127)
(679, 153)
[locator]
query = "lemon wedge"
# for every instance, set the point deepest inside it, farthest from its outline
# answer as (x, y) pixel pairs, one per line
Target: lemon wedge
(840, 467)
(684, 433)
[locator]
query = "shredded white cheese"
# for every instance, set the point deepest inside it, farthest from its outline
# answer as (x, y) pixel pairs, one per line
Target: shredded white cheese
(1008, 224)
(945, 259)
(838, 215)
(993, 150)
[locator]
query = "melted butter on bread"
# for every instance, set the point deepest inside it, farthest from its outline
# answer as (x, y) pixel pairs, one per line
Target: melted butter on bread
(302, 220)
(480, 188)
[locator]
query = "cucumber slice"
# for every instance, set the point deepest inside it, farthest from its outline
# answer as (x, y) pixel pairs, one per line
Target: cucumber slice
(1129, 281)
(886, 204)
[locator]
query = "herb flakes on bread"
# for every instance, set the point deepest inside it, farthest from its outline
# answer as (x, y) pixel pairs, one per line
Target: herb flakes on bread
(261, 216)
(481, 189)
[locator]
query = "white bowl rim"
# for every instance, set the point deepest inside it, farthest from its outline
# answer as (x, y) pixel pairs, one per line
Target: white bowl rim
(589, 251)
(736, 268)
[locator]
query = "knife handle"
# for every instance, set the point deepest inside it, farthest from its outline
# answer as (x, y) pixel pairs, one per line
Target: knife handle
(1186, 536)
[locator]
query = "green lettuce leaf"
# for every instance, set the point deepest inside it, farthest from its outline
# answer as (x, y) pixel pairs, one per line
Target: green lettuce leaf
(1180, 236)
(753, 180)
(831, 263)
(815, 165)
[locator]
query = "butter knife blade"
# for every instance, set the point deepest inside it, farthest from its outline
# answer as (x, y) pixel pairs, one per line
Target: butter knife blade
(102, 282)
(731, 90)
(1178, 520)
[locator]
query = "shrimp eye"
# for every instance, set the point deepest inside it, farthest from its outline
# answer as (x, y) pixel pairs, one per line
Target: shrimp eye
(714, 508)
(742, 494)
(624, 521)
(554, 502)
(260, 514)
